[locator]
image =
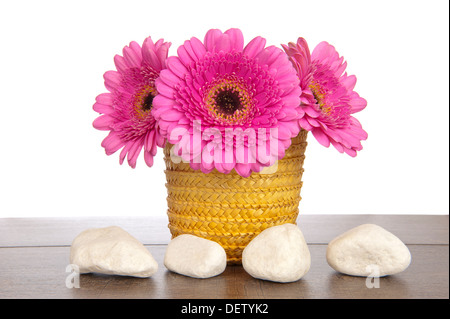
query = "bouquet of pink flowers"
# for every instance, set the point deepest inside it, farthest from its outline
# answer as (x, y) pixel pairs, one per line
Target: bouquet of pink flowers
(227, 105)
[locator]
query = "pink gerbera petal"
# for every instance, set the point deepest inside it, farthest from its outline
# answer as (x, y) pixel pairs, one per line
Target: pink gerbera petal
(321, 137)
(103, 122)
(254, 47)
(148, 157)
(112, 143)
(236, 39)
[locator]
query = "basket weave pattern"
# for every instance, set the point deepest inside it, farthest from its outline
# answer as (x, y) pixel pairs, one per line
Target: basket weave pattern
(230, 209)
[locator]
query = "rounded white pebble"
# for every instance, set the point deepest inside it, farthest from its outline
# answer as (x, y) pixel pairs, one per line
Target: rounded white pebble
(368, 250)
(113, 251)
(278, 253)
(194, 256)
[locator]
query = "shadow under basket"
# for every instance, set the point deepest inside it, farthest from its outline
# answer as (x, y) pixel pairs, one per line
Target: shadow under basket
(229, 209)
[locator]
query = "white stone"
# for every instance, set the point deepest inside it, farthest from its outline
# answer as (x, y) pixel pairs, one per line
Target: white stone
(278, 253)
(194, 256)
(368, 250)
(113, 251)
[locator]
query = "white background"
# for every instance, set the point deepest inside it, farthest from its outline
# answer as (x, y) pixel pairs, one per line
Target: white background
(53, 55)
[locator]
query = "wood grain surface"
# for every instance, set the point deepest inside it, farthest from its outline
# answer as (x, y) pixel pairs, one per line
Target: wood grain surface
(34, 254)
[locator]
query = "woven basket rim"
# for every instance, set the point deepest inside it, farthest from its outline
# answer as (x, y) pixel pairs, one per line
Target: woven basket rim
(239, 190)
(233, 174)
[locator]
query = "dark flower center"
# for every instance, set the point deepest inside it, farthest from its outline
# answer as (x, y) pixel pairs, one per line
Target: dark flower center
(316, 96)
(228, 102)
(148, 102)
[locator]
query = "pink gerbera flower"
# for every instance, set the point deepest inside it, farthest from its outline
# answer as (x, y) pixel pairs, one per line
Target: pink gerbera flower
(225, 87)
(127, 108)
(328, 99)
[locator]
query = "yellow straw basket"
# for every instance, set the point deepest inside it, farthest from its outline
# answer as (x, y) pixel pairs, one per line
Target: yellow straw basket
(230, 209)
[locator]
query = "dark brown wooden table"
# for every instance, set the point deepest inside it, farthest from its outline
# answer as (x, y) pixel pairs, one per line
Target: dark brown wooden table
(34, 254)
